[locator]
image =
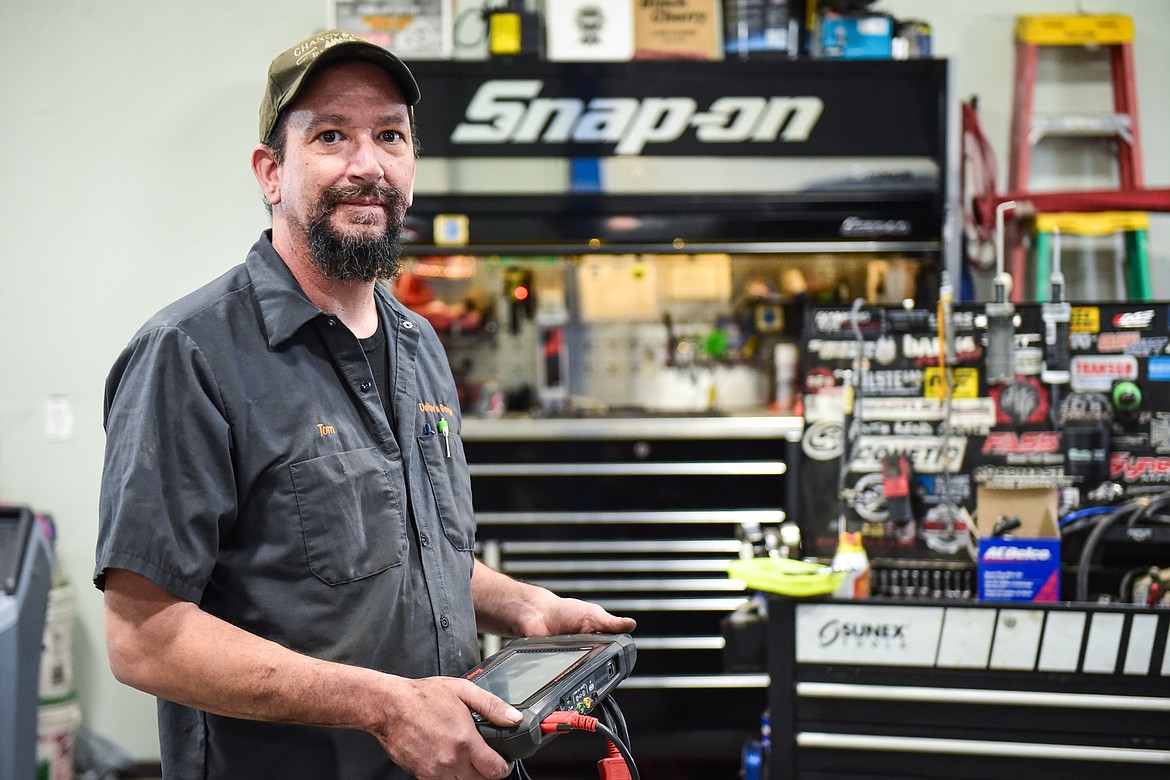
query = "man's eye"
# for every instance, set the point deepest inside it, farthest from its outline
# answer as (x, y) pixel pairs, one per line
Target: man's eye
(391, 136)
(329, 136)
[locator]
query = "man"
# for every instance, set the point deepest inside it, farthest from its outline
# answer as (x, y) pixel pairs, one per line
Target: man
(286, 525)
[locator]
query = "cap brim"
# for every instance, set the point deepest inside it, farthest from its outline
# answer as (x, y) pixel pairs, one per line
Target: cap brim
(366, 52)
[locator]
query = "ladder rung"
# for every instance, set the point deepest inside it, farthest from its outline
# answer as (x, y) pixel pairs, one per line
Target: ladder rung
(1080, 125)
(1075, 29)
(1098, 223)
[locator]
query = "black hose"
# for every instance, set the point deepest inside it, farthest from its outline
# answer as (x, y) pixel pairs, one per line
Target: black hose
(1104, 523)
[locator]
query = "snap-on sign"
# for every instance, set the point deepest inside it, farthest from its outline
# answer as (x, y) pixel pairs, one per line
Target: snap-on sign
(1097, 373)
(512, 111)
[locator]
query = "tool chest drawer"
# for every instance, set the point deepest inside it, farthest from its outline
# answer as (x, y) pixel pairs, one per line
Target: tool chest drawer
(642, 516)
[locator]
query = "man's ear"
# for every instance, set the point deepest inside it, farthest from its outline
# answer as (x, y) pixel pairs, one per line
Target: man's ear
(267, 173)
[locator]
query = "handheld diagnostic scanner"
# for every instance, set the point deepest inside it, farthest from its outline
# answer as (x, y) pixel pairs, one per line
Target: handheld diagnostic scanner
(543, 675)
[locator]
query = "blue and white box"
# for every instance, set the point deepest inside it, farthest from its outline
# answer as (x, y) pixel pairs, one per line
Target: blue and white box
(1024, 563)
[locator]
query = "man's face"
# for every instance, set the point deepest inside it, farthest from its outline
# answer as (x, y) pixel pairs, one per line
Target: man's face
(348, 172)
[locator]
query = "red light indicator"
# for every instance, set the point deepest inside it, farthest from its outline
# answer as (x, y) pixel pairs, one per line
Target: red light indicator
(520, 293)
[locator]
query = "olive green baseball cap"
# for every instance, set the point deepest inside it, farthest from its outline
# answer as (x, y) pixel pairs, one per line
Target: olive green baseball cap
(292, 68)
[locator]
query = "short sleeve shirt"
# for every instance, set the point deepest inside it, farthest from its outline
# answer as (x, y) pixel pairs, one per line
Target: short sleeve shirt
(252, 469)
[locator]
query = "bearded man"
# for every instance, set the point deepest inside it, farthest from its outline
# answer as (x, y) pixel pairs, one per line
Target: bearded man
(286, 548)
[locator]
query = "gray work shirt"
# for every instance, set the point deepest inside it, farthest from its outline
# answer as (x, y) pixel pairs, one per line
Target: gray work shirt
(251, 469)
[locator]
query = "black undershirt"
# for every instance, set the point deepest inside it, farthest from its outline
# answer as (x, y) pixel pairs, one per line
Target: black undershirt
(375, 349)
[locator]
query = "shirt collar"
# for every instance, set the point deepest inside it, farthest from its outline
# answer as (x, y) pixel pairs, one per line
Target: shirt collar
(284, 307)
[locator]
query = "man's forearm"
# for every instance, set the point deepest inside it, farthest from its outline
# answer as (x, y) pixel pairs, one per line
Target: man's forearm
(504, 605)
(175, 650)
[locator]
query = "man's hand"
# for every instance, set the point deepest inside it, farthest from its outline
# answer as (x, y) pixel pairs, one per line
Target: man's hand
(511, 608)
(573, 616)
(429, 731)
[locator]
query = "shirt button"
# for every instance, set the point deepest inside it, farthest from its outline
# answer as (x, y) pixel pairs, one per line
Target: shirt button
(425, 540)
(407, 324)
(365, 386)
(331, 322)
(444, 622)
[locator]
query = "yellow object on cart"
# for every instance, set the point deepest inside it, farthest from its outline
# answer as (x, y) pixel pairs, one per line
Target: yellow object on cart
(786, 577)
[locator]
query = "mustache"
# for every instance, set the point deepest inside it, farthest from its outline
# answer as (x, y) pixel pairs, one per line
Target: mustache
(386, 197)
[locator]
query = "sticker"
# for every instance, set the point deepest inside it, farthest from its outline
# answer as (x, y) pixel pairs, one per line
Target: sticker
(1148, 347)
(1085, 319)
(824, 440)
(885, 350)
(946, 488)
(1117, 342)
(830, 321)
(1027, 443)
(869, 499)
(1096, 374)
(892, 382)
(968, 415)
(839, 349)
(818, 379)
(1159, 369)
(925, 349)
(451, 229)
(928, 454)
(1086, 407)
(965, 382)
(944, 529)
(1160, 432)
(1018, 477)
(1143, 469)
(1134, 319)
(1023, 401)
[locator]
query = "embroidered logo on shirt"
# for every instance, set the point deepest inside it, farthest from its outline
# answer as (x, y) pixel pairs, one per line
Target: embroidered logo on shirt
(423, 406)
(326, 430)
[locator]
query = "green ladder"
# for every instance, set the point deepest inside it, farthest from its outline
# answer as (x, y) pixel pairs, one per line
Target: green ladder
(1134, 224)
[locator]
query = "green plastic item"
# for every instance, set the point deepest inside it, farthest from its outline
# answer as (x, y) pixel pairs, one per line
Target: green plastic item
(786, 576)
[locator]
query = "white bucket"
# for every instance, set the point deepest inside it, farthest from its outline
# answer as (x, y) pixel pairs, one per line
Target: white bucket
(57, 727)
(56, 683)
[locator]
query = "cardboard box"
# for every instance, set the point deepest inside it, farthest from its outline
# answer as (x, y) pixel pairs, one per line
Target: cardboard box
(678, 29)
(412, 29)
(1023, 564)
(590, 31)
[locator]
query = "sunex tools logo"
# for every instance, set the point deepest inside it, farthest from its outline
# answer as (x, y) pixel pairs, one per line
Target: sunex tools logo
(510, 111)
(840, 632)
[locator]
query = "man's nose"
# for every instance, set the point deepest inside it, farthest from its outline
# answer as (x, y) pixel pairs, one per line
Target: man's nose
(363, 160)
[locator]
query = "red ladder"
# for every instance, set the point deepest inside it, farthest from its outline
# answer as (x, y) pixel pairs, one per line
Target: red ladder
(1111, 31)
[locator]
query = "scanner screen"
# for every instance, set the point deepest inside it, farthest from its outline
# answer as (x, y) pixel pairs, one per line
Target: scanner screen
(524, 673)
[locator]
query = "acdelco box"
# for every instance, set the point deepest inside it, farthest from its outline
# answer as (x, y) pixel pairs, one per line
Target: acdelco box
(1024, 563)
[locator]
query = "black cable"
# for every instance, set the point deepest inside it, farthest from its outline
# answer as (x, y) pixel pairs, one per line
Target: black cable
(616, 720)
(1125, 589)
(1104, 523)
(609, 734)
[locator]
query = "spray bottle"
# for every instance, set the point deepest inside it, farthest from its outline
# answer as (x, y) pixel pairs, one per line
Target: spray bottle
(851, 559)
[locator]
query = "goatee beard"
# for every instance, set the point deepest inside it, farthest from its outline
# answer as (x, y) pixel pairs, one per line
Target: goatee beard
(347, 257)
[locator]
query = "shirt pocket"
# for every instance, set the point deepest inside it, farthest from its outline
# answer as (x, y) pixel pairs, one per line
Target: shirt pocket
(451, 487)
(351, 515)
